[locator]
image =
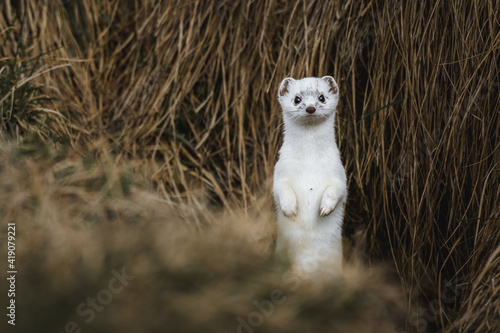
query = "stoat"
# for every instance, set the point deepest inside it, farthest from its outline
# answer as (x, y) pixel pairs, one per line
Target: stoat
(309, 184)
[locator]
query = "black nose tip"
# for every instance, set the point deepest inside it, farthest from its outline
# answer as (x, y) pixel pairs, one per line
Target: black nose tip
(310, 110)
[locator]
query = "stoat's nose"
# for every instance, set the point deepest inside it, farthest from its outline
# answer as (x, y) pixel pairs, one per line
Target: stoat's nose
(311, 110)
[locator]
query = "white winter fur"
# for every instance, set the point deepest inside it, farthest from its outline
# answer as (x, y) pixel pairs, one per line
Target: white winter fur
(309, 179)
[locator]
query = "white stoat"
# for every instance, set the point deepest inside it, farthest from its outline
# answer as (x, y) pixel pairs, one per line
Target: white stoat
(309, 180)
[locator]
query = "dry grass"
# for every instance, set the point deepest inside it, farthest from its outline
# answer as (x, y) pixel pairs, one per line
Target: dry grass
(78, 219)
(184, 94)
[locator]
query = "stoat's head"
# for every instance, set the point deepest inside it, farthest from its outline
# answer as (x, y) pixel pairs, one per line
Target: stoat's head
(310, 100)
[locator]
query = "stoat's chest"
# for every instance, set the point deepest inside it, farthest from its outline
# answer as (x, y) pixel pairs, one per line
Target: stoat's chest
(309, 168)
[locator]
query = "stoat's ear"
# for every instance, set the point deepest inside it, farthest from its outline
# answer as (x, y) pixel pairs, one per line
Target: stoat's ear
(285, 86)
(334, 89)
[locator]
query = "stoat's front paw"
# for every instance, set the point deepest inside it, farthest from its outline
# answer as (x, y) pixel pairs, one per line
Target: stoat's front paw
(329, 201)
(289, 206)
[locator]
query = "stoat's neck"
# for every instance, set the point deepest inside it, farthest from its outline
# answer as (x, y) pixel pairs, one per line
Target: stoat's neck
(319, 136)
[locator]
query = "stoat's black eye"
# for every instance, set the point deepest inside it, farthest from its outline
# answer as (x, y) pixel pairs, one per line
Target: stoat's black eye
(297, 100)
(321, 99)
